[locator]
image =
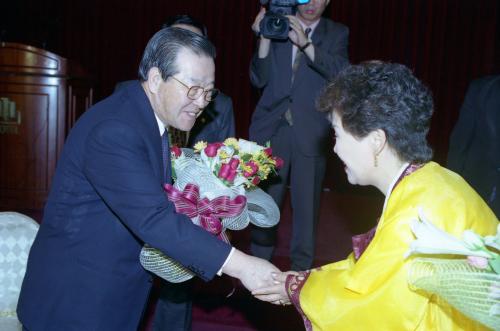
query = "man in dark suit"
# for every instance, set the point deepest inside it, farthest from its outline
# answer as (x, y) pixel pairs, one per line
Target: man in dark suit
(107, 200)
(291, 74)
(474, 150)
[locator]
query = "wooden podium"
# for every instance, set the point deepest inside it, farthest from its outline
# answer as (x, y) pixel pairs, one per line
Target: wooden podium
(41, 96)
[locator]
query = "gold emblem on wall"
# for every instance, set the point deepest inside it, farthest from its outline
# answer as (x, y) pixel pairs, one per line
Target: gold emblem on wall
(10, 117)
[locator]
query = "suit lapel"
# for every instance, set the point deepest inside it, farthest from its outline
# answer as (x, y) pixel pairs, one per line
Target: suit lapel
(145, 116)
(319, 33)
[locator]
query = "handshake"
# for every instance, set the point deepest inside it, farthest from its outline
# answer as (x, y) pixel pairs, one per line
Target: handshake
(264, 280)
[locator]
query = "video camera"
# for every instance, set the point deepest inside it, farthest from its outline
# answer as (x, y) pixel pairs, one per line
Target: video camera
(275, 25)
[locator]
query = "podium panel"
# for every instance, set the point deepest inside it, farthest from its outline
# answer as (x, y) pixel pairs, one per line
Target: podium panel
(38, 106)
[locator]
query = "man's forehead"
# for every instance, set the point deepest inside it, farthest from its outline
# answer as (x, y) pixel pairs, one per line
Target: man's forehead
(197, 68)
(186, 52)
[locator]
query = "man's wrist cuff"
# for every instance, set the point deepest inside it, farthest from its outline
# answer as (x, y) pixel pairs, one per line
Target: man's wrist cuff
(303, 47)
(219, 273)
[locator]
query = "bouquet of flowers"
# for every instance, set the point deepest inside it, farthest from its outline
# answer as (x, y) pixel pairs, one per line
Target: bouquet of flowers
(238, 162)
(471, 285)
(216, 186)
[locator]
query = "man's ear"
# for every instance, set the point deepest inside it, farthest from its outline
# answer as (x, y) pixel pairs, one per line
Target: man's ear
(378, 140)
(154, 80)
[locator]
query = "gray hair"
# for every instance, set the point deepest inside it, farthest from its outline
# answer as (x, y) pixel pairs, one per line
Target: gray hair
(163, 48)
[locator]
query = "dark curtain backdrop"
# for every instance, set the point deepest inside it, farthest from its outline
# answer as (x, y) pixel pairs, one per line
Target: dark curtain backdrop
(446, 42)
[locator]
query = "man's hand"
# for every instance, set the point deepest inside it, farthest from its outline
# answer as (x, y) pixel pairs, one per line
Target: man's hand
(250, 270)
(264, 43)
(297, 35)
(275, 293)
(258, 19)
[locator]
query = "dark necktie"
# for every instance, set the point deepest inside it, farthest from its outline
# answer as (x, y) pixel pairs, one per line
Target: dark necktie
(165, 150)
(295, 66)
(298, 56)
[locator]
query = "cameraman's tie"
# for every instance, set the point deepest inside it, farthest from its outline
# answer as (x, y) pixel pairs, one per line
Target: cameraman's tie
(165, 156)
(298, 56)
(295, 66)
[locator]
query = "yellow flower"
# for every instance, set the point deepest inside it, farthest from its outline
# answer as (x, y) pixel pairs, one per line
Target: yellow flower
(233, 142)
(261, 155)
(245, 168)
(200, 145)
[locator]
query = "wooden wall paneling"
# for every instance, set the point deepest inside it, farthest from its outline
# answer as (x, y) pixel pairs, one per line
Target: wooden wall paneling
(36, 112)
(32, 145)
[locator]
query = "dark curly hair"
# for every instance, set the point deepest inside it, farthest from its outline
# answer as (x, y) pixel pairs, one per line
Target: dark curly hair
(376, 95)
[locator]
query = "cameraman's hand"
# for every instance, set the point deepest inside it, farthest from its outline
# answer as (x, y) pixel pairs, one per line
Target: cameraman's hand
(258, 19)
(296, 34)
(264, 43)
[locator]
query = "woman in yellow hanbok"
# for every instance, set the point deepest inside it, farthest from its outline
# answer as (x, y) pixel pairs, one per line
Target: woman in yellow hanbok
(380, 114)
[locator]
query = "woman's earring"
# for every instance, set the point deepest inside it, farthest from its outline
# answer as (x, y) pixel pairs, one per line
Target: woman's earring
(375, 160)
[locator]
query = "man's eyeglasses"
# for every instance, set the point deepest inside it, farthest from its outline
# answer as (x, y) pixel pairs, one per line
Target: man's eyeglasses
(194, 92)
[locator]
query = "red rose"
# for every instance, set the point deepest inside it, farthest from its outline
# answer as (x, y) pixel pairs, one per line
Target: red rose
(279, 162)
(251, 172)
(256, 180)
(268, 151)
(234, 163)
(211, 149)
(176, 151)
(224, 171)
(230, 177)
(253, 169)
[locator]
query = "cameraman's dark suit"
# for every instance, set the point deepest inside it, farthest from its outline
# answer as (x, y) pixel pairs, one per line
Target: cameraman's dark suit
(474, 144)
(303, 144)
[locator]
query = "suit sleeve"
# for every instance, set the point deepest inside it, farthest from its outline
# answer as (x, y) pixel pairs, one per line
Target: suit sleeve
(117, 165)
(463, 131)
(328, 62)
(260, 69)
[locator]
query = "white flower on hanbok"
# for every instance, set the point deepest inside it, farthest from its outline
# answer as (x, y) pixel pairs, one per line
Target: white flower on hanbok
(493, 241)
(433, 240)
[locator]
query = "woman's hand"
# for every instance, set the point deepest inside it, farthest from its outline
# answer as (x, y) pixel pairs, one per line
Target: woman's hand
(277, 293)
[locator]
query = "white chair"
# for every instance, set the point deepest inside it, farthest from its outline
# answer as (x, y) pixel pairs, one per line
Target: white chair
(17, 232)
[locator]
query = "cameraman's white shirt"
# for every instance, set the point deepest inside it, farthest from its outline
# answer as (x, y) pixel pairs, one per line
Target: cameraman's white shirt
(304, 27)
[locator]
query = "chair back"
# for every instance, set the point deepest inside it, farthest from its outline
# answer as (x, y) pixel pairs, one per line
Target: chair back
(17, 232)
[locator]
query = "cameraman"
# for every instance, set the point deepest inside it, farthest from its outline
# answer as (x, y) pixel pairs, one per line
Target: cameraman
(291, 74)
